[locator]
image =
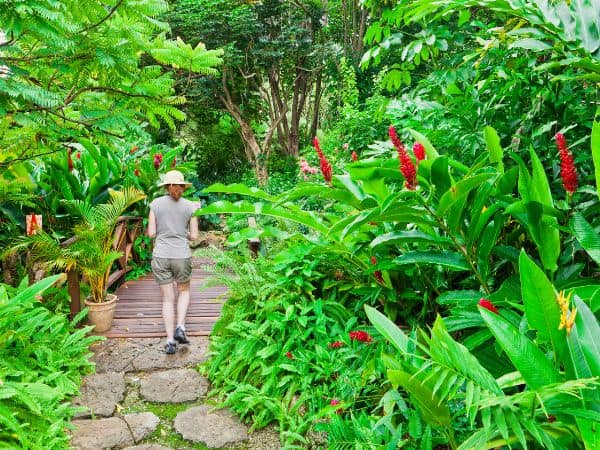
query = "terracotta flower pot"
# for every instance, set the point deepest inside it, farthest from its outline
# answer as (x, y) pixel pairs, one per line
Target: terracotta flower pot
(101, 314)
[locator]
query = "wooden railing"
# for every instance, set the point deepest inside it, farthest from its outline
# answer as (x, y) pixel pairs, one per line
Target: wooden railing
(128, 228)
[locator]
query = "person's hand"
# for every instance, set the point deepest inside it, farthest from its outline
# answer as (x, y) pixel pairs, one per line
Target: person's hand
(198, 204)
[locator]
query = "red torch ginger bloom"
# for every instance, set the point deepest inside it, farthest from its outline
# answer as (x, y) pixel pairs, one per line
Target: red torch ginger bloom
(361, 336)
(334, 402)
(289, 355)
(407, 167)
(377, 274)
(325, 166)
(354, 157)
(485, 303)
(336, 344)
(69, 160)
(419, 151)
(158, 157)
(568, 173)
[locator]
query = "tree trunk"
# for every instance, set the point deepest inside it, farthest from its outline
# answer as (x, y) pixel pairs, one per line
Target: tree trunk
(314, 126)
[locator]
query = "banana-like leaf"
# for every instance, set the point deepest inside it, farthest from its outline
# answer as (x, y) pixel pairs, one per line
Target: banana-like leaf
(412, 236)
(596, 153)
(527, 358)
(541, 307)
(240, 189)
(587, 236)
(460, 190)
(31, 291)
(492, 142)
(292, 214)
(451, 260)
(435, 414)
(388, 329)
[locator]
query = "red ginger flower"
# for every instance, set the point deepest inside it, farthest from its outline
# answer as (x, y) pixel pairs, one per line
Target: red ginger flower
(325, 166)
(485, 303)
(158, 157)
(377, 274)
(289, 355)
(407, 167)
(69, 160)
(568, 172)
(336, 344)
(354, 157)
(361, 336)
(419, 151)
(78, 155)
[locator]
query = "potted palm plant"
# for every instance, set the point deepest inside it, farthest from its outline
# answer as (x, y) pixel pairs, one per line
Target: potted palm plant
(89, 251)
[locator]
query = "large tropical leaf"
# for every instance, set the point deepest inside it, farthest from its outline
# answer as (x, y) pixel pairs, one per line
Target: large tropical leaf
(541, 307)
(587, 236)
(535, 367)
(451, 260)
(388, 329)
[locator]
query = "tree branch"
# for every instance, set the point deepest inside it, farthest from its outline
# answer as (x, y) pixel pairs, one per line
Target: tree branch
(110, 13)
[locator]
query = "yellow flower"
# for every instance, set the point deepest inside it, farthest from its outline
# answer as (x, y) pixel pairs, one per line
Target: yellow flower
(567, 317)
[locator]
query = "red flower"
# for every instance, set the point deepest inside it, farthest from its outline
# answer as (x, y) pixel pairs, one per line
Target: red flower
(69, 160)
(78, 155)
(136, 172)
(354, 156)
(158, 157)
(568, 172)
(419, 151)
(325, 166)
(485, 303)
(289, 355)
(334, 402)
(133, 149)
(336, 344)
(407, 167)
(174, 162)
(377, 274)
(361, 336)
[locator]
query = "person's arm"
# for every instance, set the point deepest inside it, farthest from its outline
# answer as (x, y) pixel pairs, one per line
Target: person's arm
(193, 233)
(151, 230)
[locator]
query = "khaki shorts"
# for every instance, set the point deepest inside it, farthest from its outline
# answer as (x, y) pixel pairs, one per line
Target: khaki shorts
(167, 270)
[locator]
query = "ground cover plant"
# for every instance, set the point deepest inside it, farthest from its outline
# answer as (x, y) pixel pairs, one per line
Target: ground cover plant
(43, 358)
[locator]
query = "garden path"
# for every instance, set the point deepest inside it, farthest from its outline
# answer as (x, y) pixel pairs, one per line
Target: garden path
(143, 399)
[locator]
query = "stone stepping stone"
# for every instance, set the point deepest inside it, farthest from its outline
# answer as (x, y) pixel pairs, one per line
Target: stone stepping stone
(100, 393)
(215, 429)
(112, 432)
(148, 447)
(173, 386)
(140, 354)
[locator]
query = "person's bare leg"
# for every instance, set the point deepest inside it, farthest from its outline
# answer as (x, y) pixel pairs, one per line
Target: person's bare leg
(183, 302)
(168, 296)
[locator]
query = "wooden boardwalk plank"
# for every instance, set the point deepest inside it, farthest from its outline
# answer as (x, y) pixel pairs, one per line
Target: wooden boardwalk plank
(139, 308)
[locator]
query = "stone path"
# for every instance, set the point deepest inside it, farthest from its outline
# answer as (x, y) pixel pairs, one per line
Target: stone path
(142, 399)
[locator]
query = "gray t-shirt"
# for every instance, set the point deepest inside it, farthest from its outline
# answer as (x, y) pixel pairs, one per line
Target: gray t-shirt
(172, 220)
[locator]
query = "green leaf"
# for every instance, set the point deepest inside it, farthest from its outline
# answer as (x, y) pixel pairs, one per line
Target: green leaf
(388, 329)
(448, 259)
(430, 150)
(527, 358)
(435, 414)
(492, 141)
(596, 153)
(460, 190)
(541, 307)
(587, 236)
(397, 237)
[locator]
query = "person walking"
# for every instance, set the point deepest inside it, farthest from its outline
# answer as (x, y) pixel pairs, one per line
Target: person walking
(172, 223)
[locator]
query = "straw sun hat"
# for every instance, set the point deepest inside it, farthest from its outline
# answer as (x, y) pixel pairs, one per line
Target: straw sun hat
(174, 177)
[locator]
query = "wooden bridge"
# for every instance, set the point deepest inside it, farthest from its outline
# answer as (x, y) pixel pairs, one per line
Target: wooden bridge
(139, 308)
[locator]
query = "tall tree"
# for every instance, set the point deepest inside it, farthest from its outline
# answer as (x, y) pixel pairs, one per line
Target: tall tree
(91, 69)
(274, 55)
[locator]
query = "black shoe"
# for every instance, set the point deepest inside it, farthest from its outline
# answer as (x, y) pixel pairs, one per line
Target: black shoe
(180, 336)
(170, 348)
